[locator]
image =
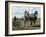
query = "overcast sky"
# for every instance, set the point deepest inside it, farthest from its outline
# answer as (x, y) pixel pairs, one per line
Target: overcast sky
(18, 11)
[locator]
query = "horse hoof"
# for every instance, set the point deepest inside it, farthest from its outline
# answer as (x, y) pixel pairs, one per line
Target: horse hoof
(30, 24)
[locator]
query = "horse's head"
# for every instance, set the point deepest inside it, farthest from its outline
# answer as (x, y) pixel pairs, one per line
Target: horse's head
(36, 13)
(25, 12)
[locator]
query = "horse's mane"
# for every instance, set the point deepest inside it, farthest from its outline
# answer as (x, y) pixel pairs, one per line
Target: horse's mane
(31, 15)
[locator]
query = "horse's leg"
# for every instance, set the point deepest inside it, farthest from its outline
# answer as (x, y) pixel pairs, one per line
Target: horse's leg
(31, 22)
(24, 21)
(28, 23)
(34, 21)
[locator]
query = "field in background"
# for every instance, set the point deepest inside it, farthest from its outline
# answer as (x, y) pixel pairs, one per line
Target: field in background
(19, 25)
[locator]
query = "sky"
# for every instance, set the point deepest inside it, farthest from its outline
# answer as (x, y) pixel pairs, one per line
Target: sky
(18, 11)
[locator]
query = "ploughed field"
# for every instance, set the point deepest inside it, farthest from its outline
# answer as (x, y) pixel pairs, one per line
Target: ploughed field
(20, 25)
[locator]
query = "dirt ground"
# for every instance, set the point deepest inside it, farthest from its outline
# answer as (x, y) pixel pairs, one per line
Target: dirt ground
(21, 26)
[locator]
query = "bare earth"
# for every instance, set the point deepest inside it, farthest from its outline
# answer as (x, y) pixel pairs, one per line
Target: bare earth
(26, 26)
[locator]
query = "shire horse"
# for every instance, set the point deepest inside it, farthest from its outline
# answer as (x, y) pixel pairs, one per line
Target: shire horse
(30, 17)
